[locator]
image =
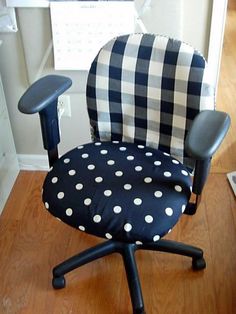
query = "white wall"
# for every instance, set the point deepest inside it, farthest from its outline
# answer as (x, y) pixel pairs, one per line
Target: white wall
(188, 20)
(197, 22)
(21, 51)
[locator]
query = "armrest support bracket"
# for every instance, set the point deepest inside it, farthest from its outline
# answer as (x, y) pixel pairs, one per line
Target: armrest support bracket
(42, 97)
(205, 136)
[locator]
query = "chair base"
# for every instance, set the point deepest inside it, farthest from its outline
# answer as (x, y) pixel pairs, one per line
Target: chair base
(127, 251)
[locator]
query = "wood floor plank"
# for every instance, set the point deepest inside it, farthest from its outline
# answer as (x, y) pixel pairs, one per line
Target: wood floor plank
(222, 239)
(231, 4)
(195, 231)
(225, 160)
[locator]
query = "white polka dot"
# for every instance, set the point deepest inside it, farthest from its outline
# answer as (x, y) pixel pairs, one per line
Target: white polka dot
(119, 173)
(82, 228)
(46, 205)
(60, 195)
(87, 201)
(138, 168)
(139, 242)
(167, 174)
(166, 154)
(184, 172)
(130, 157)
(140, 146)
(148, 154)
(183, 208)
(72, 172)
(110, 162)
(98, 179)
(67, 160)
(115, 142)
(69, 211)
(98, 143)
(158, 194)
(157, 163)
(91, 167)
(97, 218)
(137, 201)
(54, 179)
(127, 227)
(107, 192)
(127, 186)
(50, 169)
(79, 186)
(103, 151)
(169, 211)
(147, 180)
(84, 155)
(58, 218)
(169, 230)
(117, 209)
(148, 219)
(175, 161)
(178, 188)
(156, 238)
(122, 148)
(80, 147)
(108, 236)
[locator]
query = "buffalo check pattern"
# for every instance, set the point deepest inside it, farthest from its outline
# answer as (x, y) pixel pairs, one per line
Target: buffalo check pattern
(147, 89)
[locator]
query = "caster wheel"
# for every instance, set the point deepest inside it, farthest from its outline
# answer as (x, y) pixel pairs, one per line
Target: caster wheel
(198, 264)
(58, 282)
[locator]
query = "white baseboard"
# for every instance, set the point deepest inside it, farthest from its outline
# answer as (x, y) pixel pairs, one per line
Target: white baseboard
(33, 162)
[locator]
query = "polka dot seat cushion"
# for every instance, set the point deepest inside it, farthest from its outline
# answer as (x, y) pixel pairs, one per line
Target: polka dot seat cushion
(116, 190)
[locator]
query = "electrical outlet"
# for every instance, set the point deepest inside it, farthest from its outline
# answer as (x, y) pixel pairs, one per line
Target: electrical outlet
(63, 106)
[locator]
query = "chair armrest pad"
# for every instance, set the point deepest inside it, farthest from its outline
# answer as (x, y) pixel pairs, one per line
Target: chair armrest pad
(43, 92)
(206, 134)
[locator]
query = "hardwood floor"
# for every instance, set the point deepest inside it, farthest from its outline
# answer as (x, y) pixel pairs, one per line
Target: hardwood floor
(225, 160)
(32, 242)
(232, 4)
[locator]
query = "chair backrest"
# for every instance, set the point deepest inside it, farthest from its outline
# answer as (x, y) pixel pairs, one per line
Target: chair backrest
(147, 89)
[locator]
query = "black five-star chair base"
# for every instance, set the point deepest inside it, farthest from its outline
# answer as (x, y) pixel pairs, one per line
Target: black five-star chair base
(127, 251)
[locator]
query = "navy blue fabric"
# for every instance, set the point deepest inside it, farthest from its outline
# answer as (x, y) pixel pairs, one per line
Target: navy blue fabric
(117, 190)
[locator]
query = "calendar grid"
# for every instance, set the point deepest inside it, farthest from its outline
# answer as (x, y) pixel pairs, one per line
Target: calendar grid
(80, 29)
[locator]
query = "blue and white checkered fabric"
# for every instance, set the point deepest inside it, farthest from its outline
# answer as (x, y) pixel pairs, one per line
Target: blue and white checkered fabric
(147, 89)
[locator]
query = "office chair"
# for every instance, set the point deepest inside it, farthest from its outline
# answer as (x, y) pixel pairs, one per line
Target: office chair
(151, 109)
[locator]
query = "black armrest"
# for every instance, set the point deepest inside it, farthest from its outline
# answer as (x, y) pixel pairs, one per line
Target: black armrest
(43, 92)
(42, 97)
(204, 138)
(206, 134)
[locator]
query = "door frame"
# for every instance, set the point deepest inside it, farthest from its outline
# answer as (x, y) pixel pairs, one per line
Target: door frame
(216, 38)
